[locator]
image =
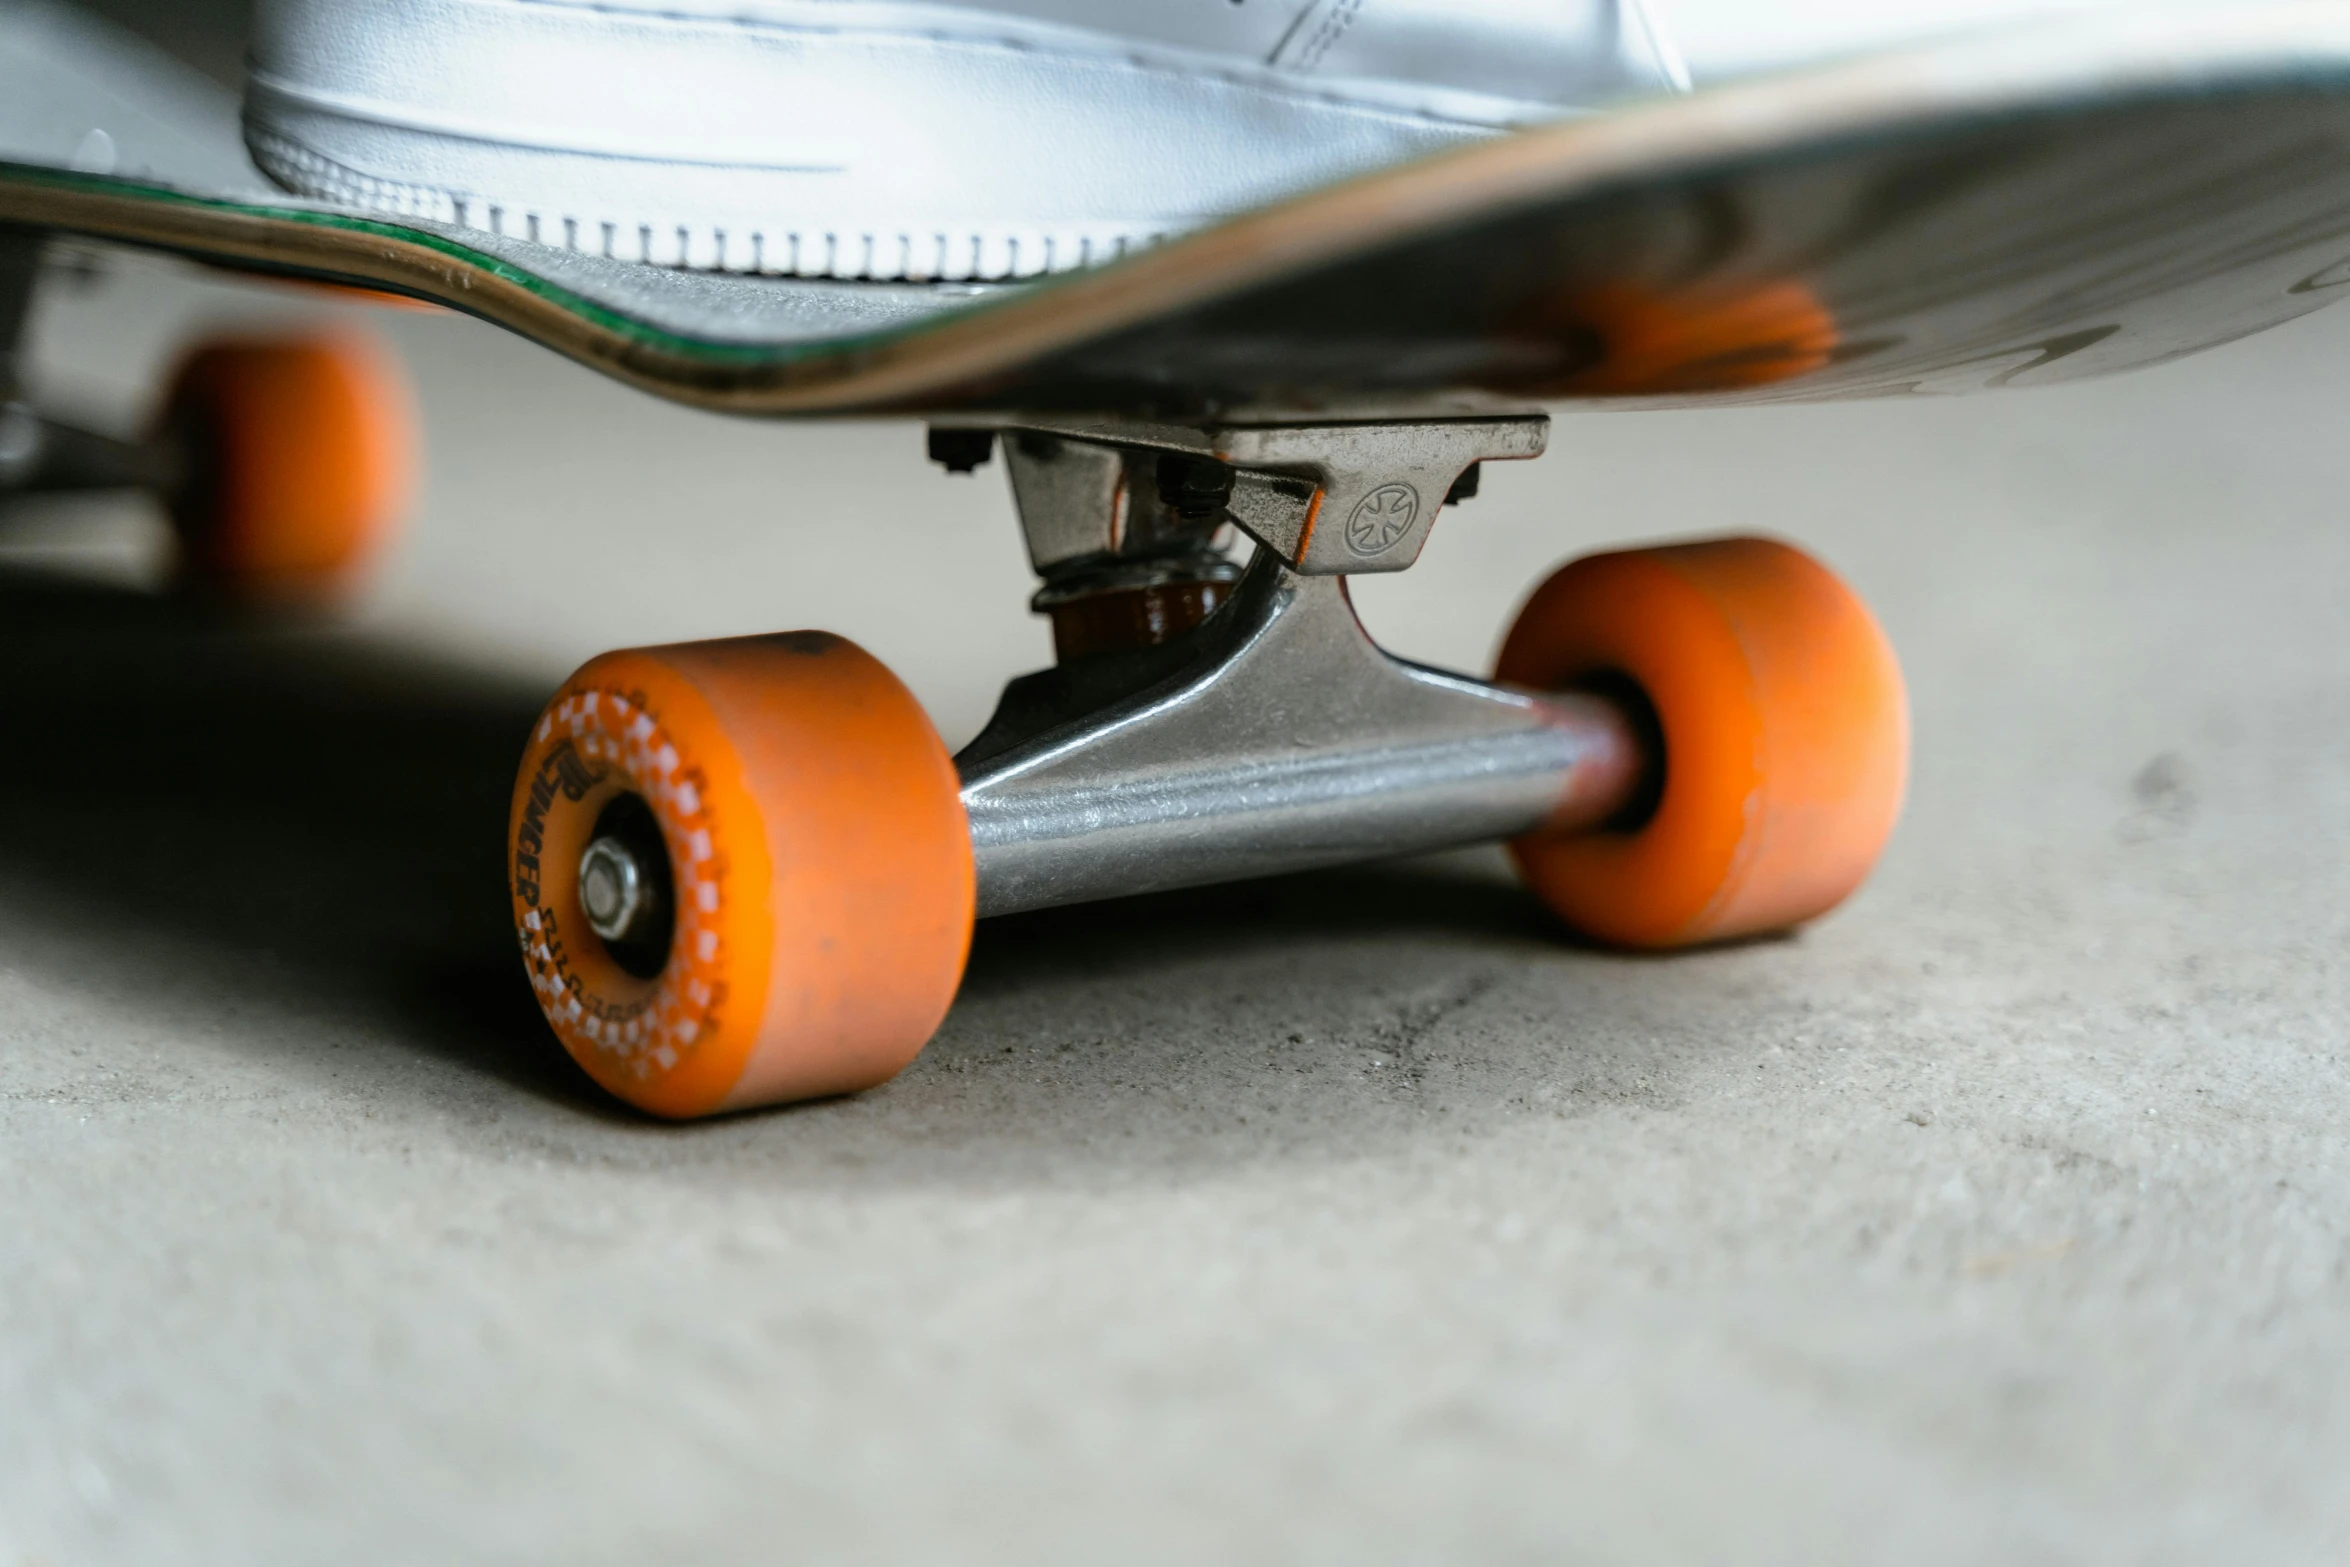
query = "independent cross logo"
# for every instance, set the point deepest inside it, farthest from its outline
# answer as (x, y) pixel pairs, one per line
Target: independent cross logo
(1382, 518)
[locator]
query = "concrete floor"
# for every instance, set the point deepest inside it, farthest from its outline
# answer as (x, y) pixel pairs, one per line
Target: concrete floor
(1350, 1218)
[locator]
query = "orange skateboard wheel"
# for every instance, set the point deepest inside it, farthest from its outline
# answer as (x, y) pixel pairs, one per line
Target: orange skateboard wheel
(301, 454)
(1785, 738)
(741, 873)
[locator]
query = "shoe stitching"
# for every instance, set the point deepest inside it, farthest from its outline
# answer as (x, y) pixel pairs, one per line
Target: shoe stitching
(262, 87)
(1336, 18)
(995, 253)
(1178, 63)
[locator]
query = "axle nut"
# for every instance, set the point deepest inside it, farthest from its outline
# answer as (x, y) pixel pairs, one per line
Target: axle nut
(612, 889)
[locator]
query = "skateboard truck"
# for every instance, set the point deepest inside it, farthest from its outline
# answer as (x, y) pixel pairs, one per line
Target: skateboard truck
(1245, 724)
(39, 455)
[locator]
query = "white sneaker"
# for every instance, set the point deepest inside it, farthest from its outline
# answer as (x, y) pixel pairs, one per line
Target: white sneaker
(897, 138)
(1721, 39)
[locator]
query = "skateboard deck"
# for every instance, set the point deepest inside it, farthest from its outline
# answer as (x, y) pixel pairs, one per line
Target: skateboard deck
(2033, 208)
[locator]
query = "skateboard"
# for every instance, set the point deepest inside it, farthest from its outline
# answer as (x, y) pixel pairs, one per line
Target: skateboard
(746, 872)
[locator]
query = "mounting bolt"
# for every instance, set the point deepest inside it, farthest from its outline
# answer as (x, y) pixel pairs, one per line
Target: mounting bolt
(961, 451)
(612, 889)
(1197, 489)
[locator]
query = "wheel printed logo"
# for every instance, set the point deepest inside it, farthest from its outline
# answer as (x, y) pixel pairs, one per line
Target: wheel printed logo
(1382, 518)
